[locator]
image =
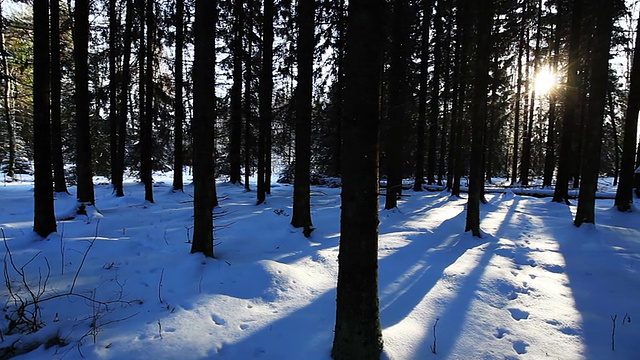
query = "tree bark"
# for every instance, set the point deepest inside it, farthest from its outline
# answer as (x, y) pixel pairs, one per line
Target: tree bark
(358, 334)
(248, 115)
(113, 91)
(301, 187)
(203, 120)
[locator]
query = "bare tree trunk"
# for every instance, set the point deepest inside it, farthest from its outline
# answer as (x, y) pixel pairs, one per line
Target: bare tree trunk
(484, 10)
(624, 193)
(571, 108)
(178, 160)
(358, 334)
(603, 14)
(301, 188)
(44, 220)
(265, 94)
(203, 120)
(83, 122)
(235, 121)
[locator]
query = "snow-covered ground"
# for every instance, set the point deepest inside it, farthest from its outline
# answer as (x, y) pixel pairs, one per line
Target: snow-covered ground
(533, 287)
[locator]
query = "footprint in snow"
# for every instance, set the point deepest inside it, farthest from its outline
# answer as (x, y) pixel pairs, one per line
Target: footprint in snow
(218, 320)
(244, 326)
(520, 347)
(518, 314)
(500, 333)
(556, 269)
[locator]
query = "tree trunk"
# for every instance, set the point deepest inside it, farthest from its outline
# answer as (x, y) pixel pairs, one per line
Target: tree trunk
(550, 146)
(484, 10)
(517, 112)
(301, 187)
(203, 120)
(44, 220)
(398, 99)
(84, 170)
(603, 14)
(434, 102)
(338, 93)
(124, 99)
(624, 194)
(235, 121)
(113, 89)
(178, 160)
(357, 329)
(146, 128)
(566, 154)
(427, 6)
(6, 94)
(248, 115)
(59, 179)
(614, 135)
(265, 95)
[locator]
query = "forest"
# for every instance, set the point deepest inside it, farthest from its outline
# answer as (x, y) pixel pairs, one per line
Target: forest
(382, 99)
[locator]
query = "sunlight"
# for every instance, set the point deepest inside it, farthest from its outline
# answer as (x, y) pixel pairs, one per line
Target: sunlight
(545, 81)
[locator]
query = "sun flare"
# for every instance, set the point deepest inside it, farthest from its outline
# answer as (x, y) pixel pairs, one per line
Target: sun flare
(544, 81)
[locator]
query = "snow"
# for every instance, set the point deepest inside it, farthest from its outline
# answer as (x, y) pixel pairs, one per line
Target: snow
(533, 287)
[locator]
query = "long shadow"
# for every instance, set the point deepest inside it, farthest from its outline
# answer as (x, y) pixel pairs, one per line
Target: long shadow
(297, 335)
(589, 253)
(404, 287)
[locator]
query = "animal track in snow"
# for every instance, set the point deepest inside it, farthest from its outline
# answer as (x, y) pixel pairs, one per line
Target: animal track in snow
(518, 314)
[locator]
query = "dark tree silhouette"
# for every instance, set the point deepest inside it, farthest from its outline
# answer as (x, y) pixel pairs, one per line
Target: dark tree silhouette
(624, 193)
(301, 217)
(178, 160)
(235, 121)
(357, 331)
(484, 11)
(84, 170)
(202, 125)
(44, 221)
(265, 93)
(592, 138)
(59, 180)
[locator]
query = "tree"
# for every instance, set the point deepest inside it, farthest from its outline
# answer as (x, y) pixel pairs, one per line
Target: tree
(422, 95)
(113, 90)
(123, 102)
(235, 131)
(301, 191)
(624, 193)
(147, 97)
(566, 155)
(83, 126)
(357, 330)
(398, 99)
(178, 160)
(599, 61)
(44, 222)
(248, 113)
(202, 126)
(265, 93)
(484, 10)
(60, 184)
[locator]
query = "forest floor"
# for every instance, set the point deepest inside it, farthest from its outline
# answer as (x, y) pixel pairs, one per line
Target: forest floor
(120, 283)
